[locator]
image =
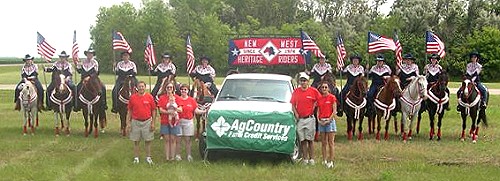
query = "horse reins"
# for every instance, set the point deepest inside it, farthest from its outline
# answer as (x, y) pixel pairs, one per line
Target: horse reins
(468, 105)
(357, 108)
(438, 101)
(61, 103)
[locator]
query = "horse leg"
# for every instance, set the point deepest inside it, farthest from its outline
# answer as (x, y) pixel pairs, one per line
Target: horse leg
(378, 127)
(86, 122)
(440, 119)
(349, 128)
(68, 113)
(386, 134)
(360, 128)
(96, 126)
(56, 123)
(123, 114)
(431, 124)
(419, 118)
(396, 124)
(412, 122)
(474, 126)
(404, 123)
(464, 119)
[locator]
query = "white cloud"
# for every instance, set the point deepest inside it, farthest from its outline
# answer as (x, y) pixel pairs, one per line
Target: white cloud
(54, 19)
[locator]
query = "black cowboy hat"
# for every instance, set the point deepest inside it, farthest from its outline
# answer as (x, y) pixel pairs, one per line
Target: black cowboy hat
(90, 50)
(356, 56)
(434, 56)
(474, 53)
(165, 55)
(409, 56)
(28, 57)
(380, 57)
(63, 55)
(205, 58)
(124, 52)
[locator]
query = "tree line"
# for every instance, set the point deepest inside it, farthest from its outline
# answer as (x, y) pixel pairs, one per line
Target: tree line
(463, 25)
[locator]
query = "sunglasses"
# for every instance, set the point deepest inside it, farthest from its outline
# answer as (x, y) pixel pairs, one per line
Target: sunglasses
(170, 87)
(184, 90)
(324, 87)
(303, 80)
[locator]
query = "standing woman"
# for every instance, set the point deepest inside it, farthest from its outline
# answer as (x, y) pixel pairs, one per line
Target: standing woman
(319, 70)
(169, 128)
(327, 110)
(206, 73)
(188, 105)
(123, 69)
(29, 72)
(89, 67)
(352, 71)
(165, 70)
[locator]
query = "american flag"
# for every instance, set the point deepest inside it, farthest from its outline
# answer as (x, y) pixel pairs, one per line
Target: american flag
(119, 42)
(189, 56)
(341, 53)
(434, 44)
(74, 52)
(309, 44)
(44, 49)
(149, 53)
(377, 43)
(398, 51)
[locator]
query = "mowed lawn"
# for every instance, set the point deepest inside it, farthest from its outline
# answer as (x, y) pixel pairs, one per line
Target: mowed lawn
(109, 157)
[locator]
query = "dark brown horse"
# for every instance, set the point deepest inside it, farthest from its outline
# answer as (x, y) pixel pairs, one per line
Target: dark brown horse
(354, 106)
(91, 101)
(204, 98)
(468, 102)
(438, 100)
(385, 102)
(61, 101)
(128, 88)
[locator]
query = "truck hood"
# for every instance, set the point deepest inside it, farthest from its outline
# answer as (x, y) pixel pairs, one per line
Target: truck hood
(258, 106)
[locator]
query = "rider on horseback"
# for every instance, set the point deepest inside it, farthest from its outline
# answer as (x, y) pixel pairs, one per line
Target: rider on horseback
(65, 68)
(166, 69)
(408, 69)
(124, 68)
(433, 70)
(472, 72)
(206, 74)
(319, 70)
(29, 72)
(89, 67)
(352, 71)
(378, 73)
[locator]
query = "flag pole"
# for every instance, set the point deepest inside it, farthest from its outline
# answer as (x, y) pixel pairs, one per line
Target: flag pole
(303, 53)
(44, 78)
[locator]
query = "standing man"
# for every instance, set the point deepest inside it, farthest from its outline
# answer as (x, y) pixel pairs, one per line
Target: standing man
(304, 100)
(141, 120)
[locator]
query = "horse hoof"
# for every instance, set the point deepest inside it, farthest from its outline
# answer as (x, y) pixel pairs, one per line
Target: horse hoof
(102, 131)
(474, 141)
(462, 139)
(409, 138)
(24, 134)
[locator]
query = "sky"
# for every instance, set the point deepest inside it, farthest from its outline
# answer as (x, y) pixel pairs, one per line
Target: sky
(55, 20)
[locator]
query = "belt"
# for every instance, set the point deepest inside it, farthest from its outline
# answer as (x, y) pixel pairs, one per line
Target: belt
(142, 120)
(310, 116)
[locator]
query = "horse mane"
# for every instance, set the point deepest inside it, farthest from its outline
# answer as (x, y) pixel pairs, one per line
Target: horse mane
(93, 85)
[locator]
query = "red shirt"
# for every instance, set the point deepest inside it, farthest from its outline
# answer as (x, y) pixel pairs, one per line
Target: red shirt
(304, 100)
(325, 105)
(188, 107)
(141, 106)
(162, 103)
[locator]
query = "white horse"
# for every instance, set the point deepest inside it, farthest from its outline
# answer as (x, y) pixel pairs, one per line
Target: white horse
(411, 99)
(28, 98)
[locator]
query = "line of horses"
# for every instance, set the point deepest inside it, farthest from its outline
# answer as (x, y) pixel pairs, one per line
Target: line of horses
(89, 96)
(434, 96)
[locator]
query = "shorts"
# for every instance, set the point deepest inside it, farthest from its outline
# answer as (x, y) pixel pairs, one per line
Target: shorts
(306, 128)
(167, 129)
(186, 127)
(328, 128)
(141, 130)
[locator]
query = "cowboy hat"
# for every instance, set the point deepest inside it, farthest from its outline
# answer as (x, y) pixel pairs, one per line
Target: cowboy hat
(434, 56)
(63, 55)
(165, 55)
(409, 56)
(90, 50)
(474, 53)
(28, 57)
(380, 57)
(356, 56)
(205, 58)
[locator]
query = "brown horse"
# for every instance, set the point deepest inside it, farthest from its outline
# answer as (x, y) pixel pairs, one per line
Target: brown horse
(438, 101)
(204, 98)
(354, 106)
(60, 98)
(468, 102)
(91, 101)
(128, 88)
(385, 102)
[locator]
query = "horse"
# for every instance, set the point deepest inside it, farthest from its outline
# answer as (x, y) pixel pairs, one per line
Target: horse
(385, 102)
(411, 99)
(354, 106)
(128, 88)
(468, 103)
(28, 99)
(90, 99)
(60, 99)
(438, 100)
(201, 93)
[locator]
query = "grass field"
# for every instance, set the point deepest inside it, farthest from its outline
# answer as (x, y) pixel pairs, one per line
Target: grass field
(109, 157)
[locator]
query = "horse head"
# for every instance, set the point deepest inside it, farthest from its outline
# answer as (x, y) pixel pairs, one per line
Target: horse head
(360, 86)
(421, 83)
(467, 87)
(62, 83)
(443, 81)
(129, 86)
(27, 91)
(92, 84)
(394, 85)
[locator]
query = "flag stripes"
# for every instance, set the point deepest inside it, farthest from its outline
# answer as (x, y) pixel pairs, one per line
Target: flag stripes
(189, 55)
(119, 42)
(44, 48)
(74, 50)
(149, 53)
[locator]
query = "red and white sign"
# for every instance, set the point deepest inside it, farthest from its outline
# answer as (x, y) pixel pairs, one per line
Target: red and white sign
(265, 51)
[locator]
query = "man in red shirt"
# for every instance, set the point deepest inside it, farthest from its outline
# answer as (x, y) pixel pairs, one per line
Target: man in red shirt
(141, 120)
(304, 100)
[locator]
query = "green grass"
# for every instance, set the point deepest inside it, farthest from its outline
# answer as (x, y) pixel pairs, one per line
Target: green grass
(109, 157)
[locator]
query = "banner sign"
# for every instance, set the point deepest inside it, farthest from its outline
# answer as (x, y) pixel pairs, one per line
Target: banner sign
(251, 131)
(266, 51)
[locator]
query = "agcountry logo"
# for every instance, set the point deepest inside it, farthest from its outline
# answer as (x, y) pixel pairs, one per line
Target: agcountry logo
(220, 126)
(250, 129)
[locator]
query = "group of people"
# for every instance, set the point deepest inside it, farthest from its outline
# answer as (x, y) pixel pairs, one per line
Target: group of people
(170, 98)
(315, 105)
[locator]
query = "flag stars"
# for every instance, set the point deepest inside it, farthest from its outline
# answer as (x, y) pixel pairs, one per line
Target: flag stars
(235, 52)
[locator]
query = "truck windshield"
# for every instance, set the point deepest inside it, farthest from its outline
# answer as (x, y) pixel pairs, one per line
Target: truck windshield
(255, 90)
